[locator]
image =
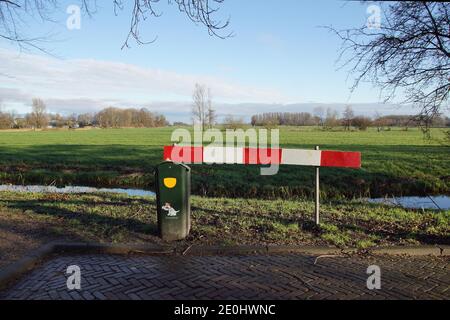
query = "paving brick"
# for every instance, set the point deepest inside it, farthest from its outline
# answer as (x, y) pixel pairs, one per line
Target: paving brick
(253, 277)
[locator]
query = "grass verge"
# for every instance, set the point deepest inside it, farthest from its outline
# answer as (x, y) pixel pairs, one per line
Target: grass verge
(28, 219)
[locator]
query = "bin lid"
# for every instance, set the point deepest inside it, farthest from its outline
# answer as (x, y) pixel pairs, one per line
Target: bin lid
(175, 163)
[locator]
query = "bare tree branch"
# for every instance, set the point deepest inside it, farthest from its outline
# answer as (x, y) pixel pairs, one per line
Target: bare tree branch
(15, 13)
(409, 53)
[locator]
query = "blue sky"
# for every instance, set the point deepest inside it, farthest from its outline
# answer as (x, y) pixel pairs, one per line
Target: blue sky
(279, 55)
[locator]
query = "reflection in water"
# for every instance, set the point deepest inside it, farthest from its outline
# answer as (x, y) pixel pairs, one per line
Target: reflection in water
(75, 189)
(434, 202)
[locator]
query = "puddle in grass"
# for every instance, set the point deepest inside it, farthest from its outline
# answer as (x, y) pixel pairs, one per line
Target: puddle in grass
(432, 202)
(75, 189)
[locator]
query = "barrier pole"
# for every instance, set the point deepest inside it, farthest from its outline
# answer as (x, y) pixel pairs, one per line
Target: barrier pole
(317, 211)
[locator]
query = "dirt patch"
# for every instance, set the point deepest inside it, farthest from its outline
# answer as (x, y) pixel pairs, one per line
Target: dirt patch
(20, 233)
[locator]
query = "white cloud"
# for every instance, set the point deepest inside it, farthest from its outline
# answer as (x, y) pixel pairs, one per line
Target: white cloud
(105, 81)
(14, 95)
(87, 85)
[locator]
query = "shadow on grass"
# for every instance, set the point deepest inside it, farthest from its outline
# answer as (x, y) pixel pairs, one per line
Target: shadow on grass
(95, 157)
(39, 231)
(386, 170)
(86, 219)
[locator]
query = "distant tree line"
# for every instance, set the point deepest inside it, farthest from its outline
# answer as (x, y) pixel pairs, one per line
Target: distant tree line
(109, 117)
(284, 119)
(330, 118)
(119, 118)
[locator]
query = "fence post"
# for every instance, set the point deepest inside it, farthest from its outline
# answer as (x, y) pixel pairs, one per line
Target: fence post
(317, 209)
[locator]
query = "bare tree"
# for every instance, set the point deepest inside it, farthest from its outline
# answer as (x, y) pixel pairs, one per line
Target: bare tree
(409, 52)
(202, 110)
(379, 121)
(6, 120)
(38, 117)
(233, 122)
(14, 13)
(347, 117)
(283, 119)
(210, 112)
(361, 122)
(120, 118)
(85, 119)
(319, 113)
(331, 119)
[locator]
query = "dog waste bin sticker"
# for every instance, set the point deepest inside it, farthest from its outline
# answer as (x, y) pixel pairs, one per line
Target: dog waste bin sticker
(171, 212)
(170, 182)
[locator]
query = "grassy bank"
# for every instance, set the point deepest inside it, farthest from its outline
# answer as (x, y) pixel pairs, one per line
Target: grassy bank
(117, 218)
(394, 162)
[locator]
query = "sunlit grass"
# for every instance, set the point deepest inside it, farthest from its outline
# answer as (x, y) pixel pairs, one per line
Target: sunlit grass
(117, 218)
(394, 162)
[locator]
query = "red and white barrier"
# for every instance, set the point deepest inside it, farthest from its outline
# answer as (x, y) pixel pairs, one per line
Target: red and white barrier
(230, 155)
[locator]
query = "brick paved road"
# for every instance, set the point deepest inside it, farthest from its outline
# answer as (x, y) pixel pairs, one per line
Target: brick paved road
(292, 276)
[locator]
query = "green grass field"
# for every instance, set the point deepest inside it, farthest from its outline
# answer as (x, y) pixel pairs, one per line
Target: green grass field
(394, 162)
(240, 207)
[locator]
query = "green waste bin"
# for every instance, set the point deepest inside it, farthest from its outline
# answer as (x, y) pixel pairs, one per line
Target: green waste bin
(173, 184)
